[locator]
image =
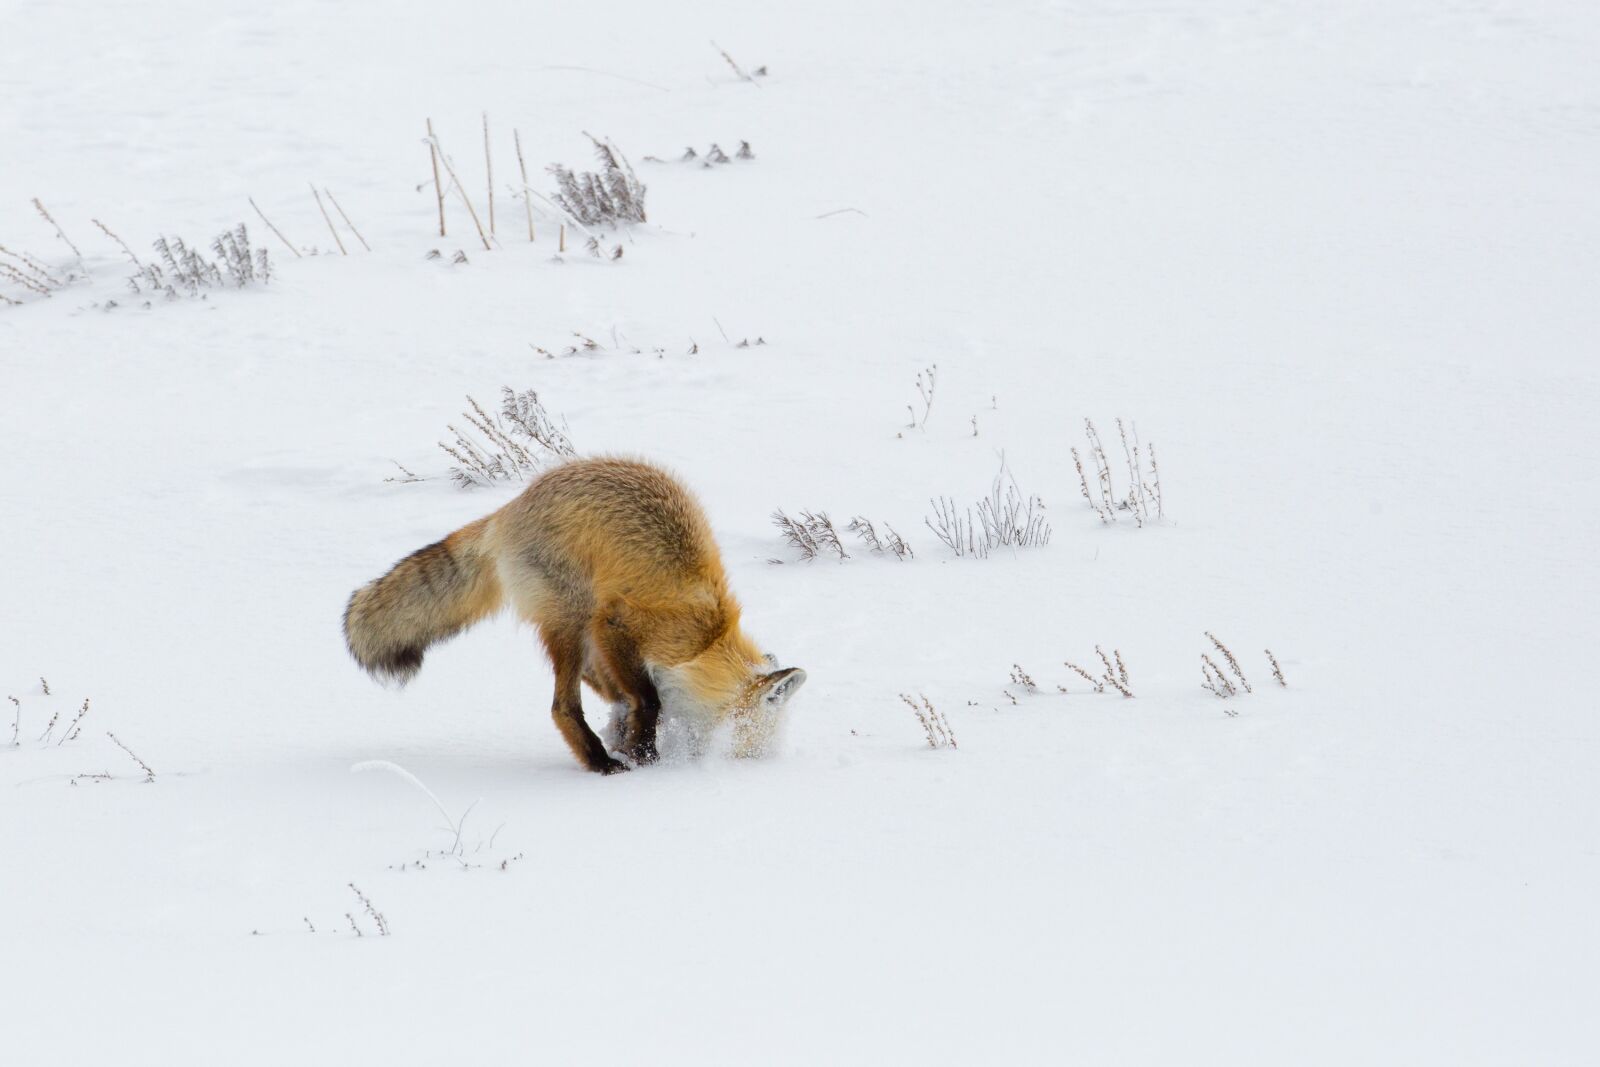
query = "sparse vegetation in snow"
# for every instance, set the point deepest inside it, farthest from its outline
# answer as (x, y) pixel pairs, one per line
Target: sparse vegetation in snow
(519, 441)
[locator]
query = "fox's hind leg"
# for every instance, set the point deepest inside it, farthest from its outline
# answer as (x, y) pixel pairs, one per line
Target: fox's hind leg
(565, 645)
(624, 668)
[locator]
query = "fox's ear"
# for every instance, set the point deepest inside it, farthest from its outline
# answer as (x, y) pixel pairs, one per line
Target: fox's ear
(775, 689)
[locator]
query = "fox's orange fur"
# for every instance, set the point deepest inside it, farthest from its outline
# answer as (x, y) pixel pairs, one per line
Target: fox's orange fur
(614, 561)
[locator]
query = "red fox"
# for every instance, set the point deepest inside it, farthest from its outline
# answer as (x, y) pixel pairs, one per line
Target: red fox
(614, 562)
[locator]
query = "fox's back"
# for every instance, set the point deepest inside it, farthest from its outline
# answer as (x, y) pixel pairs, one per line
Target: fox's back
(620, 527)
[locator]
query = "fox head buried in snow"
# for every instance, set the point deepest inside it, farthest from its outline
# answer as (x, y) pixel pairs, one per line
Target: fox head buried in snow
(774, 690)
(758, 712)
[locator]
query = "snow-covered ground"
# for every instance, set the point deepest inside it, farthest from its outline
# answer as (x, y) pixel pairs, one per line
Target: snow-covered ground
(1337, 261)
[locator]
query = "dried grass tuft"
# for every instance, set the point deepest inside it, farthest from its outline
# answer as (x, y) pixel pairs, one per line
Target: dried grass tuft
(1143, 490)
(812, 534)
(891, 543)
(518, 442)
(1233, 664)
(183, 271)
(373, 913)
(1006, 518)
(614, 194)
(32, 276)
(935, 727)
(1277, 672)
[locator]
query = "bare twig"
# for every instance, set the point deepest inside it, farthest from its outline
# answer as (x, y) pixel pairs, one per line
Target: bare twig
(527, 201)
(59, 231)
(149, 775)
(488, 166)
(71, 732)
(346, 219)
(438, 189)
(1099, 687)
(273, 228)
(329, 221)
(925, 389)
(736, 68)
(107, 231)
(455, 182)
(1155, 475)
(50, 727)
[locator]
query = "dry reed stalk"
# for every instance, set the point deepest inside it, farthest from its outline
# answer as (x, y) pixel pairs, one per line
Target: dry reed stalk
(1277, 672)
(892, 544)
(149, 775)
(1083, 483)
(488, 169)
(1111, 679)
(59, 231)
(1136, 484)
(22, 279)
(736, 68)
(562, 246)
(107, 231)
(1155, 474)
(273, 228)
(942, 723)
(346, 218)
(934, 725)
(16, 720)
(1091, 679)
(1214, 679)
(71, 732)
(527, 201)
(438, 189)
(373, 913)
(1103, 465)
(456, 182)
(1233, 664)
(39, 268)
(329, 221)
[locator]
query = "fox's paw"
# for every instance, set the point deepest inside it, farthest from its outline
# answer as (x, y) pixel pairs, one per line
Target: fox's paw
(613, 766)
(642, 753)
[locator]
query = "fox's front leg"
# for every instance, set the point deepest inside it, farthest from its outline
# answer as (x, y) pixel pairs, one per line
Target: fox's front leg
(625, 669)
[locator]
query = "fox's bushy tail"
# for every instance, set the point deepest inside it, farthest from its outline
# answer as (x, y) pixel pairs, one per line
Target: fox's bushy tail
(430, 596)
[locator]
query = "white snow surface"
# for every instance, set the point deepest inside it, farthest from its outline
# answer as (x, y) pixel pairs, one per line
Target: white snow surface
(1337, 261)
